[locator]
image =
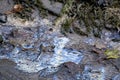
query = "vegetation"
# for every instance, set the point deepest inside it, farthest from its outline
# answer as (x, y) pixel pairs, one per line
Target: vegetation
(28, 6)
(112, 54)
(95, 16)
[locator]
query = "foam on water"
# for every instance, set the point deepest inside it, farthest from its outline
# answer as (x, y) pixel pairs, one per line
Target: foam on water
(59, 56)
(62, 55)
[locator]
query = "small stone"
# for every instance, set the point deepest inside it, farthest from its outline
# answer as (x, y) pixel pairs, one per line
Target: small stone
(72, 67)
(51, 29)
(3, 18)
(1, 39)
(116, 37)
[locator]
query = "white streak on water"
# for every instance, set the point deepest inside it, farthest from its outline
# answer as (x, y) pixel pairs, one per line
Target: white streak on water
(62, 55)
(24, 60)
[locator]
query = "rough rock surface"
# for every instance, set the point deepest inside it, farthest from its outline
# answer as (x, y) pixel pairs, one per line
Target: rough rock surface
(6, 5)
(54, 7)
(36, 50)
(3, 18)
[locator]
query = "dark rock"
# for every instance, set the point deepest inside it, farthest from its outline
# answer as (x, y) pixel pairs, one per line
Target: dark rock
(102, 3)
(66, 71)
(48, 72)
(116, 37)
(69, 71)
(110, 27)
(51, 29)
(3, 18)
(9, 72)
(105, 2)
(72, 67)
(6, 62)
(1, 39)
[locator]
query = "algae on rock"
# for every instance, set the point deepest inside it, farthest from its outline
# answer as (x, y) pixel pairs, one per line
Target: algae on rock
(112, 54)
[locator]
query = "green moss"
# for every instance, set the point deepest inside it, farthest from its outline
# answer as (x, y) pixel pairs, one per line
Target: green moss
(112, 54)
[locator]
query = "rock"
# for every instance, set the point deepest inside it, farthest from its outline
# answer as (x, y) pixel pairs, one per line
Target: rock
(104, 2)
(3, 18)
(117, 77)
(100, 44)
(21, 37)
(7, 62)
(54, 7)
(66, 71)
(1, 39)
(117, 63)
(69, 71)
(6, 5)
(9, 72)
(116, 37)
(110, 27)
(72, 67)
